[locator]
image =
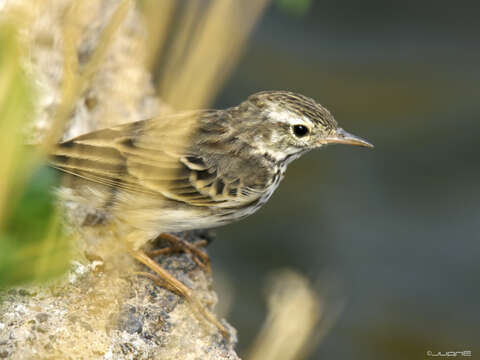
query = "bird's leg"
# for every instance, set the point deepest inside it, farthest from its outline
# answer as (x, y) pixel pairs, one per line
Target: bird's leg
(178, 245)
(157, 280)
(173, 284)
(173, 249)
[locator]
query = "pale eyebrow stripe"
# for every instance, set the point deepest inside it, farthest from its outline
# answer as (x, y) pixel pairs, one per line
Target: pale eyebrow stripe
(291, 118)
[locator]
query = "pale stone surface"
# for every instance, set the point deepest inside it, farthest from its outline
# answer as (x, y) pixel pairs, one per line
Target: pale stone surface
(98, 312)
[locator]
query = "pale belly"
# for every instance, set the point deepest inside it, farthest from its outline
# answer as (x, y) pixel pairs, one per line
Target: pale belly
(141, 217)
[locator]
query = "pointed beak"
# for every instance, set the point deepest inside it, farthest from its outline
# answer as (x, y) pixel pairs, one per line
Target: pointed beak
(343, 137)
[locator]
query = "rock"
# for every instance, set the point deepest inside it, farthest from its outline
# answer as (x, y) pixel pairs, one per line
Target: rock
(112, 314)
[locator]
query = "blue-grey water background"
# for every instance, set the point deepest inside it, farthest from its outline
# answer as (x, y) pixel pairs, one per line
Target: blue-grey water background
(397, 228)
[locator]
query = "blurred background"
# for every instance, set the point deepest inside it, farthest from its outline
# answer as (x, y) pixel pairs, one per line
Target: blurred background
(389, 237)
(394, 231)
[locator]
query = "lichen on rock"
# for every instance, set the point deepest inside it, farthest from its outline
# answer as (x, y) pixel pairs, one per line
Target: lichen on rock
(103, 312)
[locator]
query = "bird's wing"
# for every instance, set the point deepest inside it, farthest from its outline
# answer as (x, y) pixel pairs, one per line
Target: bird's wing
(152, 156)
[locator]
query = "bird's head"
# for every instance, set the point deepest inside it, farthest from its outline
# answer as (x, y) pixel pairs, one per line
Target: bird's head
(288, 124)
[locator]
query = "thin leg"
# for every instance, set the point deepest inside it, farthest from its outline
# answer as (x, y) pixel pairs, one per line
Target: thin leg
(178, 244)
(179, 288)
(173, 249)
(156, 280)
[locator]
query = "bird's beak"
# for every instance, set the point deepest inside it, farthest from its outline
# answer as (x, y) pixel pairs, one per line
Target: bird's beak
(343, 137)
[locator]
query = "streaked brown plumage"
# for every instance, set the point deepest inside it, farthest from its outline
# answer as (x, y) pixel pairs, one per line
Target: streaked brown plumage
(194, 170)
(199, 169)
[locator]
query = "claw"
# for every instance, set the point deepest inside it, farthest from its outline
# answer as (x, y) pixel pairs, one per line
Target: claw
(164, 277)
(198, 256)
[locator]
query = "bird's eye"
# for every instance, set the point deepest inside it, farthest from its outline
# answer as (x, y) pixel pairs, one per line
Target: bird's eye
(300, 130)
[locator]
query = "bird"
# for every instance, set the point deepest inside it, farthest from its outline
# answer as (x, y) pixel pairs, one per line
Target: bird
(195, 169)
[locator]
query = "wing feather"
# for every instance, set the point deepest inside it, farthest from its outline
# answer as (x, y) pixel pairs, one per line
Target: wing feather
(155, 157)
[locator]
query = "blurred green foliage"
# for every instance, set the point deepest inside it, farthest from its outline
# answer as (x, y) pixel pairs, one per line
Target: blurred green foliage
(31, 244)
(295, 7)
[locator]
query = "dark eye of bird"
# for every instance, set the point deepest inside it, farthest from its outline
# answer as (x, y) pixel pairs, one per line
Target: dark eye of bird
(300, 130)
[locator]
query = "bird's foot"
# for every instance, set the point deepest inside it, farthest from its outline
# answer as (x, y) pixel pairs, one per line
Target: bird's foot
(168, 281)
(200, 257)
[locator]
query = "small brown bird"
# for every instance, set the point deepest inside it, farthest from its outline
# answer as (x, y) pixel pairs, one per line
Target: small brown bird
(200, 169)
